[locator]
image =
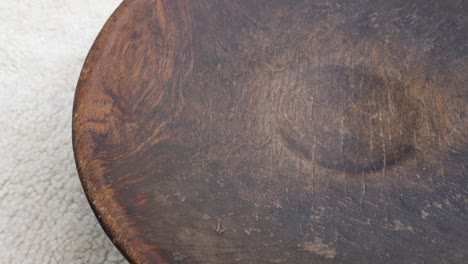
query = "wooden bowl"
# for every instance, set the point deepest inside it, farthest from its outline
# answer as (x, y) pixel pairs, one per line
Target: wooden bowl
(241, 131)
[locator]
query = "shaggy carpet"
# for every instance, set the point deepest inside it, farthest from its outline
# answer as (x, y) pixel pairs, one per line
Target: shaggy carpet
(44, 215)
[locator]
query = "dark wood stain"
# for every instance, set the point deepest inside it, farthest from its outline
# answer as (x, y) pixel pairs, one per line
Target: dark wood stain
(241, 131)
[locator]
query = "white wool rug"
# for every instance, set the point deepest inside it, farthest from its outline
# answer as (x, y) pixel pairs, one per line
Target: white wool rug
(44, 215)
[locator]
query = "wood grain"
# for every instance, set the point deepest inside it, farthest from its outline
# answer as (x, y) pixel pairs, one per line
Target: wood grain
(240, 131)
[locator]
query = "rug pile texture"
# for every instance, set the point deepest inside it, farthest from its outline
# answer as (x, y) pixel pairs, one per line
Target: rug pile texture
(44, 215)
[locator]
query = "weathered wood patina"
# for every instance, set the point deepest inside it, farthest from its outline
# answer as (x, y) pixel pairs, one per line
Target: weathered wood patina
(242, 131)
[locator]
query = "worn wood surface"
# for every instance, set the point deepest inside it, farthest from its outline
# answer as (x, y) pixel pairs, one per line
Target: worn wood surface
(240, 131)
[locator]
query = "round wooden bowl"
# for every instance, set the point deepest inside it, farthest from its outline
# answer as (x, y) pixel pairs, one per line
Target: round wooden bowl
(241, 131)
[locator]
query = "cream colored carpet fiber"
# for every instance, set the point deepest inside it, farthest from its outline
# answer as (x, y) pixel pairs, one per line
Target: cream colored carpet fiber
(44, 215)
